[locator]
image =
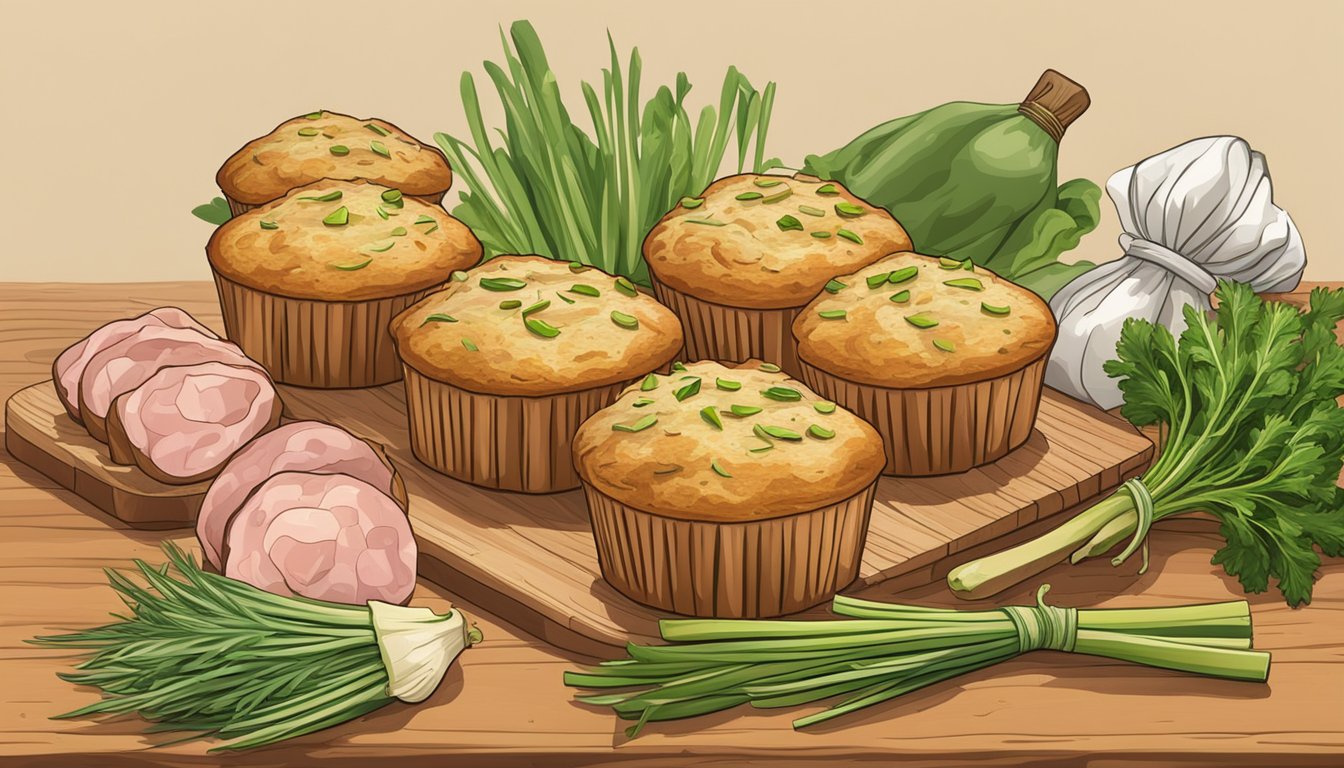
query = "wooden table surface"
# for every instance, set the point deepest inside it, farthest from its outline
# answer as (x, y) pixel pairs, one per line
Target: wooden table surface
(504, 704)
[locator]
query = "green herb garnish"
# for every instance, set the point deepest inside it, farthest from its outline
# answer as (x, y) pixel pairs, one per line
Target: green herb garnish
(946, 263)
(821, 235)
(824, 406)
(643, 401)
(903, 274)
(379, 148)
(921, 320)
(268, 224)
(691, 203)
(780, 433)
(382, 212)
(393, 196)
(688, 389)
(502, 283)
(438, 317)
(307, 132)
(995, 310)
(564, 298)
(471, 347)
(832, 314)
(576, 267)
(850, 236)
(314, 115)
(782, 194)
(643, 423)
(720, 471)
(945, 345)
(329, 197)
(749, 196)
(827, 189)
(711, 415)
(625, 286)
(378, 129)
(787, 223)
(339, 150)
(584, 290)
(537, 307)
(820, 432)
(541, 327)
(706, 222)
(849, 210)
(727, 385)
(768, 183)
(878, 279)
(510, 304)
(678, 366)
(769, 367)
(969, 283)
(623, 320)
(431, 230)
(783, 394)
(834, 286)
(810, 211)
(399, 232)
(900, 297)
(744, 410)
(459, 276)
(650, 382)
(337, 218)
(353, 267)
(382, 248)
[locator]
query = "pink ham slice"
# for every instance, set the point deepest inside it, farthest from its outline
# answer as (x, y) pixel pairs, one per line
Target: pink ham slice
(326, 537)
(123, 366)
(301, 446)
(184, 422)
(69, 365)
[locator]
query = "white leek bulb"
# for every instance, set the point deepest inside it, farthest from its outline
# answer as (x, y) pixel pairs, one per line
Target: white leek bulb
(417, 646)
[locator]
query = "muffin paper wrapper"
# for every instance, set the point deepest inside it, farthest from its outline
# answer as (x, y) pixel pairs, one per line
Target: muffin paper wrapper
(941, 430)
(740, 569)
(315, 343)
(508, 443)
(733, 334)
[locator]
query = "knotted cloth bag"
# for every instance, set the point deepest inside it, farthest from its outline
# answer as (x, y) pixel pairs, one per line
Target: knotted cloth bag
(1192, 215)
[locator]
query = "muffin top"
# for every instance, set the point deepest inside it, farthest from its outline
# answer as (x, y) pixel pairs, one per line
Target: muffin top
(708, 442)
(918, 321)
(342, 241)
(767, 242)
(328, 145)
(528, 325)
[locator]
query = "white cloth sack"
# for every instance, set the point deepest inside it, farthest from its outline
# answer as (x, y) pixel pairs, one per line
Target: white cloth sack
(1192, 215)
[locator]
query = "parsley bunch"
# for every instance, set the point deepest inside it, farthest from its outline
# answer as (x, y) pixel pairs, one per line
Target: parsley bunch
(1254, 435)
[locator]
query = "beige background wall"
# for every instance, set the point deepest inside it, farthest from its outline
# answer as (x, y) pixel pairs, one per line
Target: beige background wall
(116, 115)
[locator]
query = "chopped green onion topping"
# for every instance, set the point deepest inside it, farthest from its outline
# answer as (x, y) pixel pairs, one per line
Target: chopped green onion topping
(643, 401)
(945, 345)
(769, 367)
(269, 224)
(787, 222)
(502, 283)
(625, 321)
(382, 248)
(399, 232)
(669, 470)
(969, 283)
(564, 298)
(687, 390)
(331, 196)
(378, 129)
(744, 410)
(727, 385)
(783, 394)
(768, 183)
(471, 347)
(691, 203)
(314, 115)
(824, 406)
(677, 366)
(584, 290)
(339, 150)
(832, 314)
(968, 265)
(763, 448)
(541, 327)
(821, 235)
(392, 196)
(459, 276)
(438, 317)
(827, 189)
(760, 432)
(777, 196)
(639, 426)
(540, 305)
(850, 236)
(820, 433)
(706, 222)
(510, 304)
(903, 274)
(382, 213)
(353, 267)
(995, 310)
(946, 263)
(878, 279)
(308, 131)
(711, 415)
(431, 230)
(337, 218)
(780, 433)
(921, 320)
(720, 471)
(749, 196)
(650, 382)
(810, 211)
(849, 210)
(379, 148)
(900, 297)
(625, 286)
(423, 219)
(834, 286)
(575, 266)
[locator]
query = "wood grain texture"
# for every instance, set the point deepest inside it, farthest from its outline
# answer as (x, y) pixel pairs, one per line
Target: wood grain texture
(504, 705)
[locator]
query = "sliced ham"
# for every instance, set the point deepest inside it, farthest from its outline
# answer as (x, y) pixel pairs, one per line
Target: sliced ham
(69, 365)
(184, 422)
(301, 446)
(127, 364)
(326, 537)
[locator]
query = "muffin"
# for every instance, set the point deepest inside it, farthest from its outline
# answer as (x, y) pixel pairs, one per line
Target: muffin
(309, 283)
(946, 359)
(504, 364)
(737, 263)
(329, 145)
(729, 492)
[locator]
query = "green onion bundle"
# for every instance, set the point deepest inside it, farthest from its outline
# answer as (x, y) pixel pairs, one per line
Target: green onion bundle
(885, 650)
(214, 656)
(550, 189)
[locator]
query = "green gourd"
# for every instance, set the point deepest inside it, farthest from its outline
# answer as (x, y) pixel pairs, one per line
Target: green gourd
(978, 181)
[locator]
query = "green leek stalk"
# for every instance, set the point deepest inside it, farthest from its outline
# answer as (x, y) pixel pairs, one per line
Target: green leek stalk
(885, 650)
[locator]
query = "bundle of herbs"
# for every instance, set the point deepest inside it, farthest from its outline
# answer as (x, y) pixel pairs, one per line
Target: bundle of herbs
(548, 188)
(1253, 434)
(887, 650)
(212, 656)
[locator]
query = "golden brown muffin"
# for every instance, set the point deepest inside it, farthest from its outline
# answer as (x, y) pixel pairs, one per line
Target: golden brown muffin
(944, 357)
(309, 283)
(750, 493)
(737, 262)
(329, 145)
(516, 354)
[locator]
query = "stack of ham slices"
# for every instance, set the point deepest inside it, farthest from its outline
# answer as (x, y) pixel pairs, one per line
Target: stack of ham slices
(166, 394)
(310, 509)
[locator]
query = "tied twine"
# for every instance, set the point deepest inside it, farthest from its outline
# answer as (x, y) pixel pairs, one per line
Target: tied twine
(1044, 118)
(1173, 262)
(1143, 507)
(1043, 626)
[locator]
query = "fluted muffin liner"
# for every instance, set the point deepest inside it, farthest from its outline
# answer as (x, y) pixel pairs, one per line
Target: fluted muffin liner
(733, 334)
(238, 208)
(505, 442)
(942, 430)
(746, 569)
(315, 343)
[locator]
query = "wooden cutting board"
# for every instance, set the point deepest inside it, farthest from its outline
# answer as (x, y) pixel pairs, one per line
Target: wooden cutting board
(531, 559)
